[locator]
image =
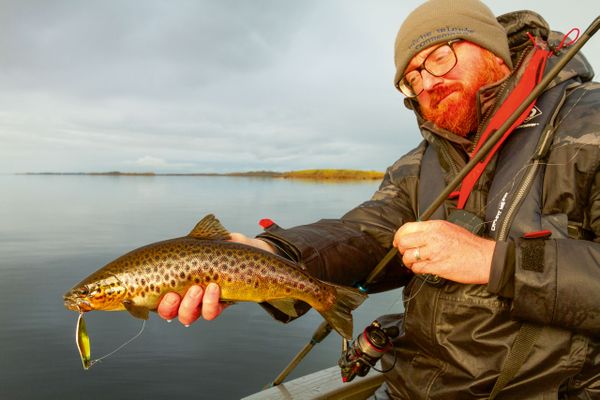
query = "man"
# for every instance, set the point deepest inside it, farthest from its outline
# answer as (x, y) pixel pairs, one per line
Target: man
(502, 284)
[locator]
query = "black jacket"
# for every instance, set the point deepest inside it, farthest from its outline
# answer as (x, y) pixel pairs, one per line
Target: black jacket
(456, 336)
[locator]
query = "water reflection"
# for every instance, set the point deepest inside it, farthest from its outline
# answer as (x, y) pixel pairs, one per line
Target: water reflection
(56, 230)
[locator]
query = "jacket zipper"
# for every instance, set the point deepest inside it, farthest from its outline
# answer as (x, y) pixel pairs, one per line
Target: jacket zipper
(528, 180)
(516, 202)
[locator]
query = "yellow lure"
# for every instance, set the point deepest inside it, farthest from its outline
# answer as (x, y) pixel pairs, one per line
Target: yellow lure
(83, 342)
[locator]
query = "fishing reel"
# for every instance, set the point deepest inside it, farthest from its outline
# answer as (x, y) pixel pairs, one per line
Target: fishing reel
(366, 350)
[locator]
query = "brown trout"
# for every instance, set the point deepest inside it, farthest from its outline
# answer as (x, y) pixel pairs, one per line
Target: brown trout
(138, 280)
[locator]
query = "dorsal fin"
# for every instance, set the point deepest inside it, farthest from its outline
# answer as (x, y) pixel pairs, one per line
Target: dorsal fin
(209, 227)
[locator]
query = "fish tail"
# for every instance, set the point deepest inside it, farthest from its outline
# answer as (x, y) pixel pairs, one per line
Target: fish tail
(339, 315)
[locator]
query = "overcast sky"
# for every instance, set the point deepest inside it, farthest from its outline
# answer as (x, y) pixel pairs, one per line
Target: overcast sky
(212, 86)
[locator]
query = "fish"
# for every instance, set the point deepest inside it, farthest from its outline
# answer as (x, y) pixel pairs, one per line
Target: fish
(137, 281)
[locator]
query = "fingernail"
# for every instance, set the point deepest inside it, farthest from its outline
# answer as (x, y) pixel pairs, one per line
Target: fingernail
(211, 289)
(195, 291)
(169, 321)
(187, 326)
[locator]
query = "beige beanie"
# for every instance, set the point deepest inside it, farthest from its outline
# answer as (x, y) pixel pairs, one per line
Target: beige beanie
(439, 21)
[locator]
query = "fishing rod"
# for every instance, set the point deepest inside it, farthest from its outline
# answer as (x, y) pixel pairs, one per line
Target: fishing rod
(480, 155)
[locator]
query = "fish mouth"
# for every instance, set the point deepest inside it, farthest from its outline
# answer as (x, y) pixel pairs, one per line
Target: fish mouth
(76, 304)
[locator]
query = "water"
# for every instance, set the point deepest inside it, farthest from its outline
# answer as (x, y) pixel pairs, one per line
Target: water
(55, 230)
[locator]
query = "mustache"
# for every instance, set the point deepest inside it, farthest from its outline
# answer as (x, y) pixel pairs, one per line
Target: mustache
(439, 93)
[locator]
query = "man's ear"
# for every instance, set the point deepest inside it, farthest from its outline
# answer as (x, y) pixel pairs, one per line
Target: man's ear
(501, 63)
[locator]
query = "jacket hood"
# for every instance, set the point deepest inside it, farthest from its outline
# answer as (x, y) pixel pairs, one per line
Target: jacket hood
(519, 23)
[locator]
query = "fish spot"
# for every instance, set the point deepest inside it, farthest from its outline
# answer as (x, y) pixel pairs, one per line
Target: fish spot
(143, 293)
(152, 286)
(301, 286)
(288, 290)
(173, 283)
(143, 281)
(256, 285)
(182, 275)
(156, 268)
(248, 281)
(206, 278)
(166, 277)
(230, 279)
(216, 277)
(197, 280)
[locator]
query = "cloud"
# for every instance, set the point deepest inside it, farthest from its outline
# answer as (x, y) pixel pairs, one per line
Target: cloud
(208, 85)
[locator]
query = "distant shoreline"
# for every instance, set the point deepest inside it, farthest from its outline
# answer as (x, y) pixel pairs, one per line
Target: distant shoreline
(310, 174)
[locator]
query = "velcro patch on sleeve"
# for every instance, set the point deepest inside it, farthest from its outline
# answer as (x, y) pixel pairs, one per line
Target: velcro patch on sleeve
(532, 255)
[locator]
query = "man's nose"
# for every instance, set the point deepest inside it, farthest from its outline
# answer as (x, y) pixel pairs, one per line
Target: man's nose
(429, 80)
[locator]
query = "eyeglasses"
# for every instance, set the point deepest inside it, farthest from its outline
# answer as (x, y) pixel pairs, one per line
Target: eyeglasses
(438, 63)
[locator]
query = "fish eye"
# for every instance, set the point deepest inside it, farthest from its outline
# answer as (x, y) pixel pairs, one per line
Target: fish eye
(83, 291)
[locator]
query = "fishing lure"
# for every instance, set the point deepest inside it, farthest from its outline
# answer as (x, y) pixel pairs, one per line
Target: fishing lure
(83, 342)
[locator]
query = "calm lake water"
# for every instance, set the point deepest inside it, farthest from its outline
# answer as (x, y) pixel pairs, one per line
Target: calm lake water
(55, 230)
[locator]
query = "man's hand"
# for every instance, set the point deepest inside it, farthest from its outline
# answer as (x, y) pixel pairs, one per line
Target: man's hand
(196, 302)
(243, 239)
(444, 249)
(199, 302)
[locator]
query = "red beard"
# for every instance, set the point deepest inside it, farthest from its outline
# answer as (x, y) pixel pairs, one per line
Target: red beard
(458, 114)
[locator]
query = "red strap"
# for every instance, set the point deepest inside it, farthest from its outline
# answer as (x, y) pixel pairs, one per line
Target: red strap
(532, 75)
(545, 234)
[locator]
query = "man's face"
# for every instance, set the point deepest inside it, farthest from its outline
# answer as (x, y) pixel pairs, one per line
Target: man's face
(450, 100)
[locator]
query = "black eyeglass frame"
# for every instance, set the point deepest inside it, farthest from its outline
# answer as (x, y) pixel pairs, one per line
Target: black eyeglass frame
(422, 67)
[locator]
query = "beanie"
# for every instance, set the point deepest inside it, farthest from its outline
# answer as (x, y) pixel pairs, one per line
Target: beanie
(439, 21)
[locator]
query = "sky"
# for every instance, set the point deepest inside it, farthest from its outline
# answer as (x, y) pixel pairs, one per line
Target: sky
(173, 86)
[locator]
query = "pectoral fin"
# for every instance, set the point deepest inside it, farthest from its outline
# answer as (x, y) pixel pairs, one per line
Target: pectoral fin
(137, 311)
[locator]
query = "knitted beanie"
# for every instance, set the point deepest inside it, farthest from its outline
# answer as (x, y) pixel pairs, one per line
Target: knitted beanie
(439, 21)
